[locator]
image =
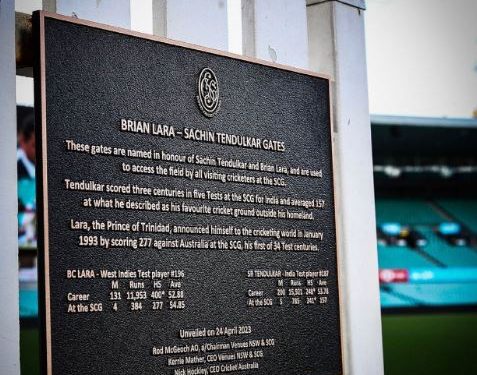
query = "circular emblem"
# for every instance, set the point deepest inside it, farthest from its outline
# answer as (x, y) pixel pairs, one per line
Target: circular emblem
(208, 97)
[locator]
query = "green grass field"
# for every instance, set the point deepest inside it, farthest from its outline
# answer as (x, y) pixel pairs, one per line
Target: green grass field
(430, 344)
(29, 356)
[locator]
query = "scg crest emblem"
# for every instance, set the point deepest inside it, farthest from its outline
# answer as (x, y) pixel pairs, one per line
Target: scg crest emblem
(208, 97)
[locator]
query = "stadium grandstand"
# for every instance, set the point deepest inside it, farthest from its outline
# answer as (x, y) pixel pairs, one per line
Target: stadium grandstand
(425, 185)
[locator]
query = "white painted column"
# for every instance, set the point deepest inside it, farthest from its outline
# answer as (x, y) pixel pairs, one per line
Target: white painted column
(275, 30)
(337, 47)
(141, 16)
(9, 314)
(129, 14)
(110, 12)
(194, 21)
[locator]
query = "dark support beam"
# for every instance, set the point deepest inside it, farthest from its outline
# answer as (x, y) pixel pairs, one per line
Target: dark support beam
(24, 44)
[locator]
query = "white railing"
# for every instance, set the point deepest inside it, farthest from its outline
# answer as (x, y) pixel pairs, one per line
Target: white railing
(321, 35)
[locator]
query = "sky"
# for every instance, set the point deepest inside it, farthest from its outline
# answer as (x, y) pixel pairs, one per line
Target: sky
(421, 55)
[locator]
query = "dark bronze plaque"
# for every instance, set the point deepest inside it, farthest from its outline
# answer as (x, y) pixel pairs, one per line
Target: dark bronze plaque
(188, 222)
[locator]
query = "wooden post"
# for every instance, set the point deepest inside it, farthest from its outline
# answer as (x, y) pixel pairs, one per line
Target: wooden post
(337, 47)
(9, 314)
(194, 21)
(275, 30)
(110, 12)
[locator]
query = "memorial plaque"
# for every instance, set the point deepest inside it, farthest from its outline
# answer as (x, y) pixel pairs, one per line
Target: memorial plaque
(187, 210)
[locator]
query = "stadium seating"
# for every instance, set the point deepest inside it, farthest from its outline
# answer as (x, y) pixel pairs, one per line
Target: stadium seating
(436, 294)
(447, 254)
(28, 302)
(401, 257)
(424, 216)
(465, 210)
(406, 211)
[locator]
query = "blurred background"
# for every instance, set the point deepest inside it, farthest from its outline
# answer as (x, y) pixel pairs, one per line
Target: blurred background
(422, 78)
(422, 74)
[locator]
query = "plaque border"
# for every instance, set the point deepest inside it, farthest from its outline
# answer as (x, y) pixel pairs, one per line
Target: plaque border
(39, 70)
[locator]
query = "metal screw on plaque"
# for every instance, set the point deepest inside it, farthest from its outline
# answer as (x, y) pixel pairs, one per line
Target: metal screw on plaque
(208, 97)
